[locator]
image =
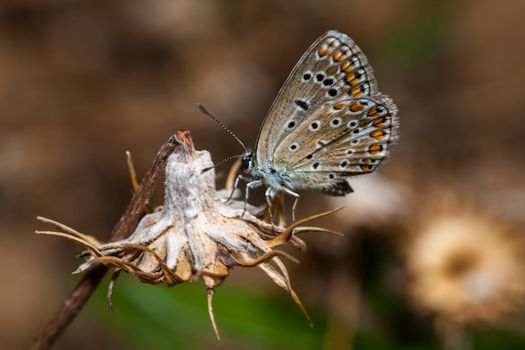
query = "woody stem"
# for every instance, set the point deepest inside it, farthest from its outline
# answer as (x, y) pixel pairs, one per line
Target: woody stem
(127, 223)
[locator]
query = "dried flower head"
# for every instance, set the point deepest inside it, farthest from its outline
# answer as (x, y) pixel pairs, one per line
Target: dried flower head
(466, 266)
(197, 233)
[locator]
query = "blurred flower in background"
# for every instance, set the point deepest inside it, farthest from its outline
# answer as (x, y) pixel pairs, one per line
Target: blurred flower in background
(465, 266)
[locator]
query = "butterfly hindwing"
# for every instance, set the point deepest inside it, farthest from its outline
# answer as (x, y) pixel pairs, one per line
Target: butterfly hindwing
(333, 68)
(340, 139)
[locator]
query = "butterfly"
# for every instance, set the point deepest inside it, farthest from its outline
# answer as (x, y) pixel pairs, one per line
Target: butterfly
(328, 122)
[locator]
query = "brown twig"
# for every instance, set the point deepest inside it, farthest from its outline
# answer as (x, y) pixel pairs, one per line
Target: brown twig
(124, 227)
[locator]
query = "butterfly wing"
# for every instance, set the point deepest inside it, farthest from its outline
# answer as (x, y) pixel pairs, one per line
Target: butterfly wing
(340, 139)
(332, 68)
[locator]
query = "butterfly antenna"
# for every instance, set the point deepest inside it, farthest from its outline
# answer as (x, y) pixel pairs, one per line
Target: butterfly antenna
(203, 110)
(221, 162)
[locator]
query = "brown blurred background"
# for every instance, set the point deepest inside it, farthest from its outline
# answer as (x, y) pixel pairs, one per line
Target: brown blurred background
(81, 82)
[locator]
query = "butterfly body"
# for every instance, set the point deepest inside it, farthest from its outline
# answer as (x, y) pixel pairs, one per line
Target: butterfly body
(279, 178)
(328, 122)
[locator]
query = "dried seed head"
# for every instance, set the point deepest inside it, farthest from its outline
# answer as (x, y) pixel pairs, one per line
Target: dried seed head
(196, 233)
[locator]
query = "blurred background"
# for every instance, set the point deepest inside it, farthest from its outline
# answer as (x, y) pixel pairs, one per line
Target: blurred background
(432, 256)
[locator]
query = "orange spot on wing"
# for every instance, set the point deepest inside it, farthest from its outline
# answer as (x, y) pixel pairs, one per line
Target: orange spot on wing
(373, 112)
(379, 122)
(377, 134)
(339, 106)
(365, 167)
(337, 56)
(350, 77)
(345, 67)
(356, 91)
(375, 149)
(355, 107)
(322, 50)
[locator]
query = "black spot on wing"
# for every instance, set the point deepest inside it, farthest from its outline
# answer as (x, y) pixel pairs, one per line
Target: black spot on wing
(302, 104)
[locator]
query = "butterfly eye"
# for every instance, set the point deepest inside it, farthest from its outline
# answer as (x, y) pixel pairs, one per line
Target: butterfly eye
(247, 161)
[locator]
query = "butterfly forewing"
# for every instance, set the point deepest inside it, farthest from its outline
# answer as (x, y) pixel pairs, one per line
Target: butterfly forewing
(333, 68)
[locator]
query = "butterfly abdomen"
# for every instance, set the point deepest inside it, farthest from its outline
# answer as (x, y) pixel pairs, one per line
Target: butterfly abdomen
(338, 189)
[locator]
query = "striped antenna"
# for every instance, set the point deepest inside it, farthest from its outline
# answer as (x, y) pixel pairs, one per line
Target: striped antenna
(203, 110)
(227, 159)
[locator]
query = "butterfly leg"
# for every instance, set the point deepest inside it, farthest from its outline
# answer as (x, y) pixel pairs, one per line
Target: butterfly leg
(250, 186)
(236, 184)
(296, 196)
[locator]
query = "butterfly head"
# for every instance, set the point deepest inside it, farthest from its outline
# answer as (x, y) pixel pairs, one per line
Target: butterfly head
(247, 161)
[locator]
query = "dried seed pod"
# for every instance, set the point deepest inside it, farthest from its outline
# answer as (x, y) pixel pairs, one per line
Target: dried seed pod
(196, 233)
